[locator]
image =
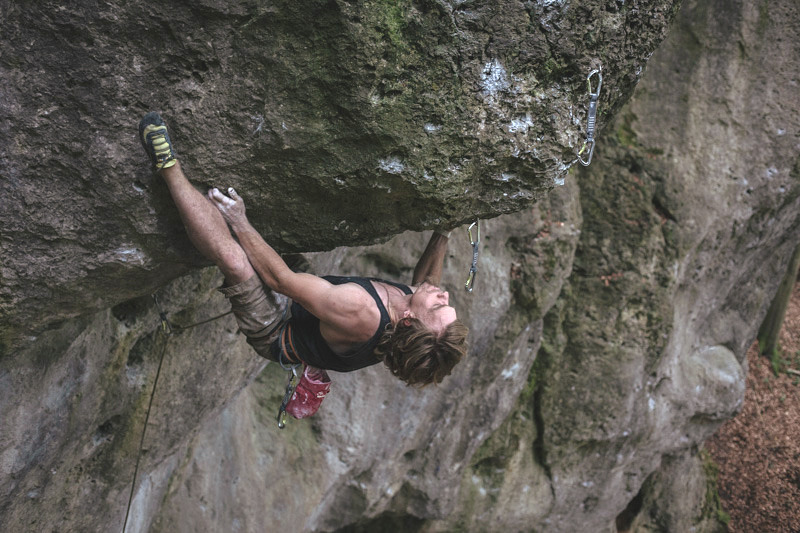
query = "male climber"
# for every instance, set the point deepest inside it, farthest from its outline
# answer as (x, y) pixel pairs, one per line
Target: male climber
(337, 323)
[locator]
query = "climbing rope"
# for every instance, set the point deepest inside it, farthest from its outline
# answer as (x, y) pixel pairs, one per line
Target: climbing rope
(168, 329)
(190, 326)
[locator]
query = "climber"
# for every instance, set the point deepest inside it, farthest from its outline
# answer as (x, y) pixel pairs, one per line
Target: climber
(337, 323)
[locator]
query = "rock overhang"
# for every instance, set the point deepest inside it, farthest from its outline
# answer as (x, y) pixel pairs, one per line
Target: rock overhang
(340, 124)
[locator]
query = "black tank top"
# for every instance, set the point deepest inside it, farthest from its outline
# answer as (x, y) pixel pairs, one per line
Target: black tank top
(311, 346)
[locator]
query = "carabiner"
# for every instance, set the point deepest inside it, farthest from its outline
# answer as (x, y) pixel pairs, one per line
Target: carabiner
(166, 326)
(599, 72)
(477, 239)
(590, 145)
(591, 116)
(290, 386)
(475, 242)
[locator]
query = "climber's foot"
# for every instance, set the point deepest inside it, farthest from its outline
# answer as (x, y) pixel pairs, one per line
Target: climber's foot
(156, 142)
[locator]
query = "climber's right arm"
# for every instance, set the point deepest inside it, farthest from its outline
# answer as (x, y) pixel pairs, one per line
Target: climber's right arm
(345, 307)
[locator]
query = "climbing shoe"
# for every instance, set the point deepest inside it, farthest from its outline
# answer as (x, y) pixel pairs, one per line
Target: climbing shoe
(155, 140)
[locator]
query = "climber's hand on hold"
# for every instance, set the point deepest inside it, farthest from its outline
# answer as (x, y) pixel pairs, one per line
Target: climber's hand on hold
(231, 207)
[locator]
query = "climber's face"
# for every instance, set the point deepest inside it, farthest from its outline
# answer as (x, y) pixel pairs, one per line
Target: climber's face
(431, 305)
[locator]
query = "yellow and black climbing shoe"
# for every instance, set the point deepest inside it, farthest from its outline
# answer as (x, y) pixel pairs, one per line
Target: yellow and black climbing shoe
(155, 139)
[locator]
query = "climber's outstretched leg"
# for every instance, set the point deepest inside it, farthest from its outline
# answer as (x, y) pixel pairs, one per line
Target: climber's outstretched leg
(206, 228)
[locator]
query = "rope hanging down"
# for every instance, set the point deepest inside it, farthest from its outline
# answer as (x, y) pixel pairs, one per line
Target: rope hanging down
(168, 329)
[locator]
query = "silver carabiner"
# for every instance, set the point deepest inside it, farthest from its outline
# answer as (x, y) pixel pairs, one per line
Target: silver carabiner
(591, 116)
(599, 72)
(290, 386)
(475, 242)
(586, 144)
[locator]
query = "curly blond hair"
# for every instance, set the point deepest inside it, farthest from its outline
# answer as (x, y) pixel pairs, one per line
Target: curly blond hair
(417, 355)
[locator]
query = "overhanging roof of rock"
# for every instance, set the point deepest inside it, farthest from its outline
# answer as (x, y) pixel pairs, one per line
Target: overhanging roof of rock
(339, 122)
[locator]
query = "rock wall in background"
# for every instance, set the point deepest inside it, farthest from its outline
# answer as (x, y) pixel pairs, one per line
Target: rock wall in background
(685, 229)
(610, 317)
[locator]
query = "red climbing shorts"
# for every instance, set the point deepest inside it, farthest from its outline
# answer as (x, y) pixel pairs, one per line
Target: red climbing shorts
(259, 312)
(314, 385)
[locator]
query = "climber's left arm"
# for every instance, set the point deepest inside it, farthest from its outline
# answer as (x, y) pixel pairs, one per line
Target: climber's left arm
(430, 264)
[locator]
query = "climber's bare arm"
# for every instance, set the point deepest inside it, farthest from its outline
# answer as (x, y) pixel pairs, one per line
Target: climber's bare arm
(429, 266)
(344, 308)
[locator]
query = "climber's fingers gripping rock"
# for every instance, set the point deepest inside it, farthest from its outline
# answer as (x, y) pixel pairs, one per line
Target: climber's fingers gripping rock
(231, 206)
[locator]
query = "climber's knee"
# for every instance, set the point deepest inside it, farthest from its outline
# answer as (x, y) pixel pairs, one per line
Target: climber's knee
(233, 262)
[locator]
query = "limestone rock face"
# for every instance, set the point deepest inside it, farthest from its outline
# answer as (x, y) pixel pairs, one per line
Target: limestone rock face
(341, 122)
(610, 316)
(640, 357)
(690, 215)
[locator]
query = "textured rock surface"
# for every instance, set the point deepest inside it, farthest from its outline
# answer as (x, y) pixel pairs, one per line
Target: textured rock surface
(690, 216)
(74, 403)
(641, 357)
(369, 449)
(427, 112)
(379, 449)
(676, 497)
(609, 323)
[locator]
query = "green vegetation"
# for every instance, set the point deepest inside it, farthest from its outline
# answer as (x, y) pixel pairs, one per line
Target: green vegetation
(552, 70)
(713, 503)
(625, 134)
(394, 20)
(537, 371)
(784, 363)
(769, 332)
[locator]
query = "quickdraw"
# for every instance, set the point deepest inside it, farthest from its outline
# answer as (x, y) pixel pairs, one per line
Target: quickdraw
(290, 386)
(588, 144)
(166, 325)
(288, 366)
(474, 241)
